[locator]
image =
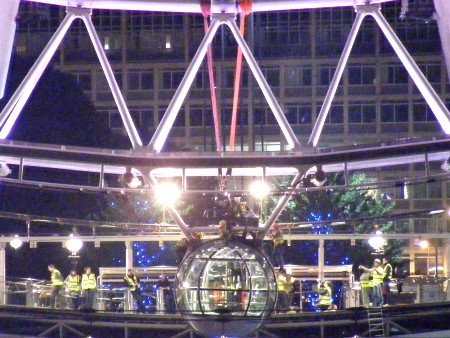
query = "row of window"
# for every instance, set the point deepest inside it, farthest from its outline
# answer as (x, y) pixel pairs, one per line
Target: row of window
(357, 74)
(298, 114)
(330, 28)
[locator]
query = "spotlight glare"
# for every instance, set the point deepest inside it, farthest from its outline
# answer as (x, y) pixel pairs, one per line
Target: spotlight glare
(423, 244)
(74, 244)
(16, 243)
(259, 189)
(377, 242)
(167, 193)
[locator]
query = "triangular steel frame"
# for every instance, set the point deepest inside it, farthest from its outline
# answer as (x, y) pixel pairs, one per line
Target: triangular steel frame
(429, 94)
(162, 132)
(14, 107)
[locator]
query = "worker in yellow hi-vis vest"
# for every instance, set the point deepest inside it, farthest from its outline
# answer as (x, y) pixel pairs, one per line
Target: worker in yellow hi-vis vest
(387, 276)
(73, 284)
(377, 279)
(57, 284)
(88, 285)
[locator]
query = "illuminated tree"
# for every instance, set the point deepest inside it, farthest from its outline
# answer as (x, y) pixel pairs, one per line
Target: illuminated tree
(360, 206)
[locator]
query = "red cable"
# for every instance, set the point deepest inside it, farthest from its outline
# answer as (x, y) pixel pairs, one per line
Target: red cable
(246, 7)
(206, 10)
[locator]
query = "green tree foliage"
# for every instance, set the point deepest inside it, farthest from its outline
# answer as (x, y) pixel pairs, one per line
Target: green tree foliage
(355, 205)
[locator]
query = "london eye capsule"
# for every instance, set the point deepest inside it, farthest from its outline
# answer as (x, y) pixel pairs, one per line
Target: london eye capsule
(226, 288)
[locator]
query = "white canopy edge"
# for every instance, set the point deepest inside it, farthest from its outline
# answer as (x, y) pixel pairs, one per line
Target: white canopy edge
(193, 6)
(198, 172)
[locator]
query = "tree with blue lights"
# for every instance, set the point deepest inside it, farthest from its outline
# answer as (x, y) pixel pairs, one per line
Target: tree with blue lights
(143, 208)
(356, 205)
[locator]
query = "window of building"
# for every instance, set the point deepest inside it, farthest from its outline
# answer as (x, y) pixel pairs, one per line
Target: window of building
(325, 74)
(263, 115)
(179, 120)
(102, 83)
(397, 74)
(394, 112)
(428, 190)
(106, 20)
(361, 74)
(422, 112)
(230, 75)
(298, 113)
(335, 114)
(432, 72)
(200, 116)
(171, 78)
(272, 75)
(84, 79)
(297, 76)
(140, 80)
(360, 112)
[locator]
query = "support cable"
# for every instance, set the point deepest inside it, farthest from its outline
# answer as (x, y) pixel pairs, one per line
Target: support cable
(206, 10)
(246, 9)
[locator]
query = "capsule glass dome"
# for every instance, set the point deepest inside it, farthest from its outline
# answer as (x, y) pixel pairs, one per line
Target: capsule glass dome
(226, 288)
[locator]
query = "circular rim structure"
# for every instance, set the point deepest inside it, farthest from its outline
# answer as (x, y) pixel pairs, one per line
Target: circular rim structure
(226, 288)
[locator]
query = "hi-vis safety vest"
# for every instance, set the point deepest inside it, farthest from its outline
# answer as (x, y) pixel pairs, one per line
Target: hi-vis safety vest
(132, 282)
(278, 237)
(56, 278)
(387, 272)
(74, 282)
(280, 284)
(88, 282)
(326, 298)
(377, 276)
(365, 280)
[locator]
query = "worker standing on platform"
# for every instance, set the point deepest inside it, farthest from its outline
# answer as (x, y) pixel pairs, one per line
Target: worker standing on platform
(387, 276)
(325, 295)
(366, 288)
(132, 281)
(283, 297)
(88, 285)
(377, 280)
(73, 283)
(276, 234)
(166, 288)
(57, 283)
(289, 285)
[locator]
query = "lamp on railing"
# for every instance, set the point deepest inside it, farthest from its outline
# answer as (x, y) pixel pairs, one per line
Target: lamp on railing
(16, 243)
(74, 245)
(377, 242)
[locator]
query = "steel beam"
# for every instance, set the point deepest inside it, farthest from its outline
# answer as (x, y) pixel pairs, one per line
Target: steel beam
(264, 86)
(13, 108)
(136, 142)
(162, 132)
(429, 94)
(282, 202)
(318, 126)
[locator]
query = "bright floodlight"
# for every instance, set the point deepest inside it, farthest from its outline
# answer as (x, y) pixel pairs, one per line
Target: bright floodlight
(74, 244)
(16, 243)
(423, 244)
(167, 193)
(377, 242)
(259, 189)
